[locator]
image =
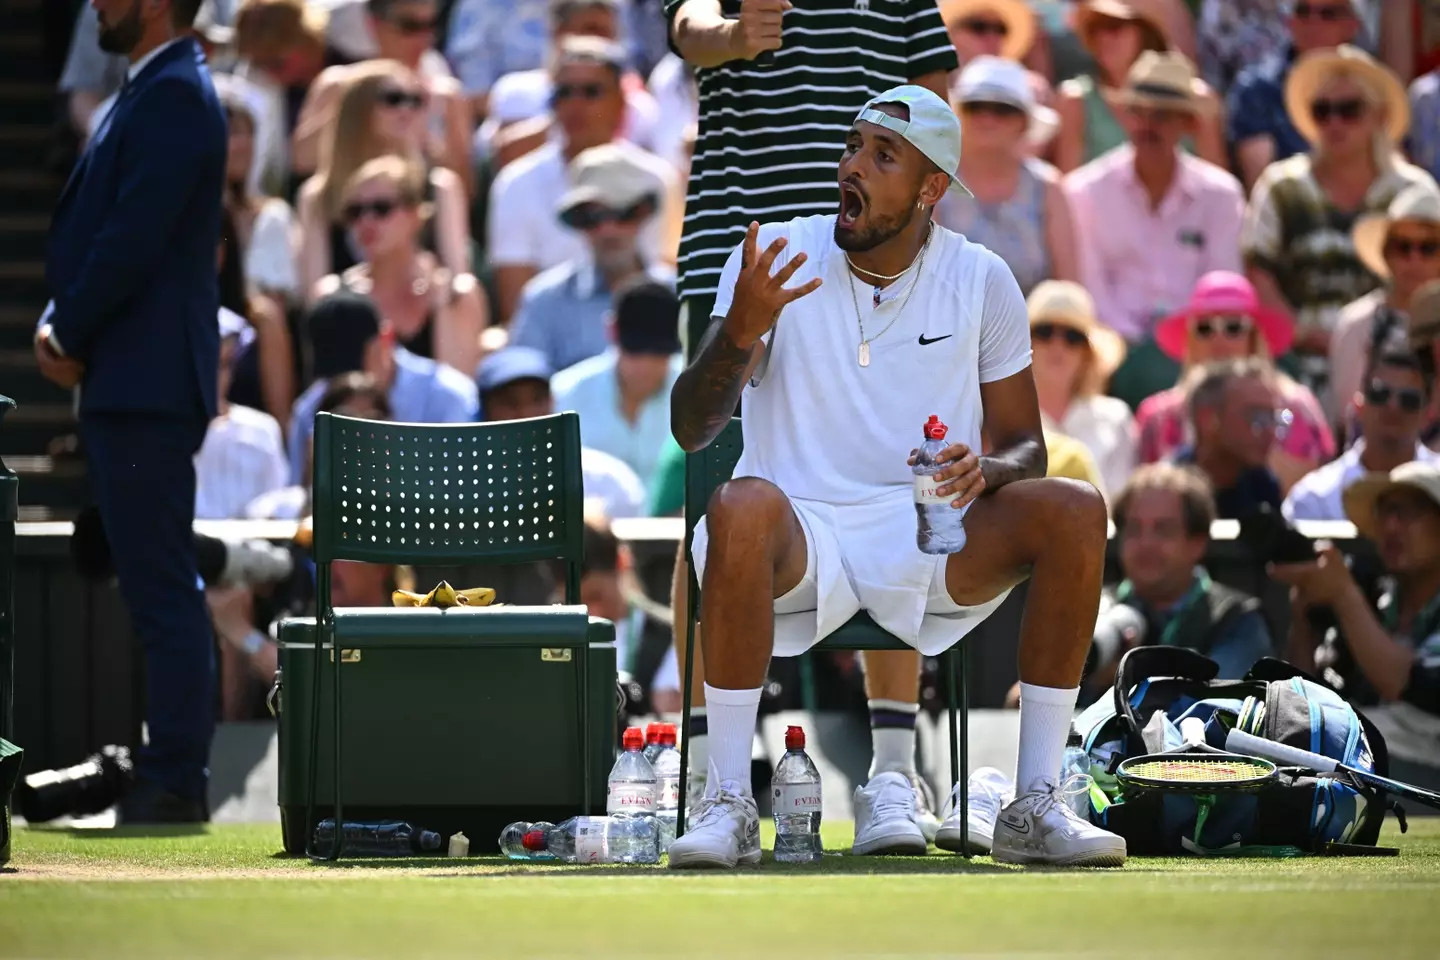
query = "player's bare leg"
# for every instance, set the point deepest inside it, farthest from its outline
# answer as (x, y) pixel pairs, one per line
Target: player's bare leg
(1054, 532)
(893, 810)
(756, 553)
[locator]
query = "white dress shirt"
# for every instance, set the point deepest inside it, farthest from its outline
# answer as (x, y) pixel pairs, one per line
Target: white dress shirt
(1319, 494)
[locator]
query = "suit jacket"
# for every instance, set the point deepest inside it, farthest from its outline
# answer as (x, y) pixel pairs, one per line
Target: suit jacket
(133, 242)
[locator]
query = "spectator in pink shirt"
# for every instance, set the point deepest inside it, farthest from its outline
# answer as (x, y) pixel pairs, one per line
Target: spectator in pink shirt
(1224, 320)
(1150, 219)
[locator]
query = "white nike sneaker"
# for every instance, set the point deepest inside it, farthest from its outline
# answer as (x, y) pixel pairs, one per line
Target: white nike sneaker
(925, 816)
(987, 791)
(1039, 827)
(723, 830)
(885, 818)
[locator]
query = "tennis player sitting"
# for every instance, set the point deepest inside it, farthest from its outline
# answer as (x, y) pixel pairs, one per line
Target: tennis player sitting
(851, 330)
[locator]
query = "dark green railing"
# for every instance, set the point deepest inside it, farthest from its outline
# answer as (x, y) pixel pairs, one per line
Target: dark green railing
(10, 755)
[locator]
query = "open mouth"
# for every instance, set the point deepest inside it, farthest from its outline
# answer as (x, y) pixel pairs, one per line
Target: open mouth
(852, 205)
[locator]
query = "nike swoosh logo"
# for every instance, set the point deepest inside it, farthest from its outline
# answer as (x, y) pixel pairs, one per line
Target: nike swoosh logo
(926, 341)
(1021, 827)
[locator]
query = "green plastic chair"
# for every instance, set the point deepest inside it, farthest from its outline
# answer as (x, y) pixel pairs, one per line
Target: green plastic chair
(412, 493)
(704, 472)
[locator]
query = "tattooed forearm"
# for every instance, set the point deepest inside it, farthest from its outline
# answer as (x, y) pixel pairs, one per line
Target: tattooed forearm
(705, 395)
(1022, 460)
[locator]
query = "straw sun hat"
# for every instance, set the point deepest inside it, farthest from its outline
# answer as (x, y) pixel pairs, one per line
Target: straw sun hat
(1067, 304)
(1419, 203)
(1314, 69)
(1019, 21)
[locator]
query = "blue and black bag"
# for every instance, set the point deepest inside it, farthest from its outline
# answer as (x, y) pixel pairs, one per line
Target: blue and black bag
(1157, 687)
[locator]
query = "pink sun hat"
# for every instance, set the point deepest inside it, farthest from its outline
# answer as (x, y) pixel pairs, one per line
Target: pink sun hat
(1221, 292)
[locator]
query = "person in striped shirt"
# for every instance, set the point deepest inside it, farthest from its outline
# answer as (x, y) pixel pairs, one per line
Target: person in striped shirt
(780, 82)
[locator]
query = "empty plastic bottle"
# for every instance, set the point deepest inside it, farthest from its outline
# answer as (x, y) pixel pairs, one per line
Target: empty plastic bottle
(383, 838)
(795, 799)
(631, 789)
(652, 741)
(940, 528)
(626, 839)
(667, 780)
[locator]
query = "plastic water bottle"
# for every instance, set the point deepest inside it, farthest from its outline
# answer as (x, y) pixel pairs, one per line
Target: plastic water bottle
(939, 528)
(667, 780)
(1075, 780)
(631, 789)
(652, 741)
(627, 839)
(795, 799)
(384, 838)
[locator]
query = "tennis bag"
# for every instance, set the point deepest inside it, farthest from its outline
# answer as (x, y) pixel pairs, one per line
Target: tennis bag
(1157, 687)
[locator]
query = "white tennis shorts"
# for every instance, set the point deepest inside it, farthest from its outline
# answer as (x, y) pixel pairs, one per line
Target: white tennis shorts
(863, 557)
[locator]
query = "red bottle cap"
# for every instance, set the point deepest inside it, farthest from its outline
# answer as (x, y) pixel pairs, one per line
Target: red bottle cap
(633, 739)
(934, 429)
(534, 840)
(794, 738)
(652, 732)
(668, 734)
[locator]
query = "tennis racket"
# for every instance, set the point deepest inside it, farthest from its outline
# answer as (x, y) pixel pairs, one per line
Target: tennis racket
(1240, 742)
(1195, 773)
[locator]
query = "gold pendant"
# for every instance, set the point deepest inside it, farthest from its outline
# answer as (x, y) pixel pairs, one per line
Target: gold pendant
(864, 353)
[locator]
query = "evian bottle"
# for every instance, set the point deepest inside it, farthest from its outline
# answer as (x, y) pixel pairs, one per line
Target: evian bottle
(939, 527)
(631, 789)
(795, 800)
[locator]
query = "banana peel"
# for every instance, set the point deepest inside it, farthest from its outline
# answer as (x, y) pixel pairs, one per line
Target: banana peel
(445, 596)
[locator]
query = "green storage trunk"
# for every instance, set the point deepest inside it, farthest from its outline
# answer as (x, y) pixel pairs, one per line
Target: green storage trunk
(446, 726)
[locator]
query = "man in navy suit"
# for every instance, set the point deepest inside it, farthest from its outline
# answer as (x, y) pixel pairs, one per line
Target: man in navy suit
(131, 267)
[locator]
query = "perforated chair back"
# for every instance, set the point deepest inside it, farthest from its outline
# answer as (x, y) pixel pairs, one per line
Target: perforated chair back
(505, 492)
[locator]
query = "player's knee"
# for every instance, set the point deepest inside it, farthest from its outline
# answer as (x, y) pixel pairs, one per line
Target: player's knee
(1078, 507)
(746, 510)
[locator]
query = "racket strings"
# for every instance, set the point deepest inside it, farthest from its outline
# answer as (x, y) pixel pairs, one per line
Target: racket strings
(1198, 771)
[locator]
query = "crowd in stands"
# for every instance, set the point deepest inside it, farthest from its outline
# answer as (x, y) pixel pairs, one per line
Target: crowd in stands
(1224, 215)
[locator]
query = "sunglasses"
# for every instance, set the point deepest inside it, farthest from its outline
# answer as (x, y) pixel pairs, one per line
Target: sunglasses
(1403, 508)
(590, 215)
(1405, 248)
(583, 91)
(1328, 14)
(414, 26)
(1046, 332)
(379, 209)
(401, 98)
(990, 108)
(1232, 327)
(1408, 399)
(1349, 110)
(1265, 421)
(980, 27)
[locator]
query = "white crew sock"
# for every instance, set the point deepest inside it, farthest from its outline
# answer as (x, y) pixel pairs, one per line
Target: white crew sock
(699, 741)
(1045, 714)
(732, 716)
(892, 736)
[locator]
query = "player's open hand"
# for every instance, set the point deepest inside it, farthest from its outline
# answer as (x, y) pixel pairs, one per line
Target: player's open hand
(758, 27)
(960, 473)
(759, 294)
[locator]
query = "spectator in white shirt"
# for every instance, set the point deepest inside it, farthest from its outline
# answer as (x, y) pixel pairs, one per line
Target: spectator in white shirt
(520, 117)
(566, 310)
(589, 106)
(243, 455)
(514, 384)
(1391, 408)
